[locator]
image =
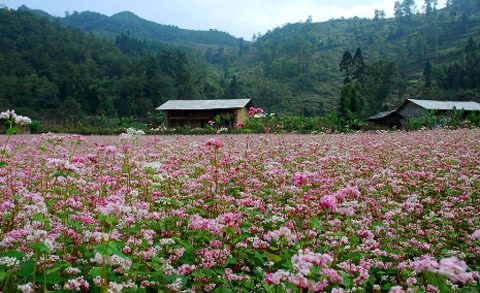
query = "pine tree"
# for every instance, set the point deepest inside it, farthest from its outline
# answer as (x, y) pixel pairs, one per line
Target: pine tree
(346, 66)
(427, 74)
(359, 66)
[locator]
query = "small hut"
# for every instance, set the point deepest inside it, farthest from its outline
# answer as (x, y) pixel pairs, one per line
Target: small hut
(197, 113)
(387, 118)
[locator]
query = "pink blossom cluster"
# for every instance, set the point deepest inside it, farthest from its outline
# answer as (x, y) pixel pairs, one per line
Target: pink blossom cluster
(451, 267)
(252, 112)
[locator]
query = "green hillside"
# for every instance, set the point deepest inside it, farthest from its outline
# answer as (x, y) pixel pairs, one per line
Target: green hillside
(298, 64)
(51, 72)
(53, 66)
(143, 29)
(125, 21)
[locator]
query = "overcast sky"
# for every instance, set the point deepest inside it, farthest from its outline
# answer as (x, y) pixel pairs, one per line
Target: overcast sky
(241, 18)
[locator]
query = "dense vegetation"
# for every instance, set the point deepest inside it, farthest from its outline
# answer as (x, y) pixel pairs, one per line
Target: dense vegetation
(50, 72)
(298, 64)
(141, 28)
(355, 66)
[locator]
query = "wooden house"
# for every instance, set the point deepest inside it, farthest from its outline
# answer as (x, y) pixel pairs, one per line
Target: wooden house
(197, 113)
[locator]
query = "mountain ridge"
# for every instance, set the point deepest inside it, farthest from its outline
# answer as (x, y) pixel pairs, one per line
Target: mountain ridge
(127, 21)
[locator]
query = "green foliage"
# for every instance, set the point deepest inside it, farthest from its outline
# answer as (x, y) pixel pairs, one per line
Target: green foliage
(62, 75)
(352, 103)
(474, 118)
(34, 127)
(115, 25)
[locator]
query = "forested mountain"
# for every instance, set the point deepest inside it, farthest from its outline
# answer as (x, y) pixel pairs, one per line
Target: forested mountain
(143, 29)
(128, 22)
(297, 66)
(51, 72)
(353, 66)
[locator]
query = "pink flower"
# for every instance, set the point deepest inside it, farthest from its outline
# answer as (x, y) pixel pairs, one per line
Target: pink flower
(396, 289)
(240, 125)
(186, 269)
(277, 277)
(411, 281)
(298, 281)
(426, 262)
(304, 261)
(299, 179)
(475, 235)
(455, 270)
(255, 111)
(214, 142)
(328, 202)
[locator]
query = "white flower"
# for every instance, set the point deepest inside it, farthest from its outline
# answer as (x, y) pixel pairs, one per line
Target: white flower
(26, 288)
(152, 166)
(22, 120)
(17, 119)
(9, 261)
(166, 241)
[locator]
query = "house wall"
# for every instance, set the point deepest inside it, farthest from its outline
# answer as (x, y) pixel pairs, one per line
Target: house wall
(199, 118)
(410, 110)
(241, 115)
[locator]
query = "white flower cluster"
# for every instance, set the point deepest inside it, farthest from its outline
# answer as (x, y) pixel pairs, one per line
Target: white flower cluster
(9, 261)
(221, 130)
(131, 134)
(152, 166)
(166, 241)
(17, 119)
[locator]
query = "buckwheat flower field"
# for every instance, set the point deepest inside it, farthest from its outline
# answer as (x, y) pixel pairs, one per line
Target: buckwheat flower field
(371, 212)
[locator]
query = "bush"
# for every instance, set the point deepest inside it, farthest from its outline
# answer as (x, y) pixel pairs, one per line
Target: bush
(34, 127)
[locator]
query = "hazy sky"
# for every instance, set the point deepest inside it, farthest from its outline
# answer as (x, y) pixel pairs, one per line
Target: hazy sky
(241, 18)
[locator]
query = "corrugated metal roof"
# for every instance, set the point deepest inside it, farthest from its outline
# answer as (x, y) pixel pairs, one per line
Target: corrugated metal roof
(203, 104)
(383, 115)
(446, 105)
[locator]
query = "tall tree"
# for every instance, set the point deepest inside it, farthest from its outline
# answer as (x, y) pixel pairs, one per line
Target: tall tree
(427, 74)
(233, 88)
(359, 66)
(346, 66)
(430, 6)
(398, 10)
(379, 14)
(352, 102)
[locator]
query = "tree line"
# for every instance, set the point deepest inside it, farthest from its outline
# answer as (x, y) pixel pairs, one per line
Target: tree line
(51, 72)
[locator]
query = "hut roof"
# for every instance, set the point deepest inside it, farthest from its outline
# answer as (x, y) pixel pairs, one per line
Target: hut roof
(446, 105)
(383, 115)
(204, 104)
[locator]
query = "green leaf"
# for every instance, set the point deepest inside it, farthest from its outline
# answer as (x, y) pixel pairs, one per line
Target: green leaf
(40, 247)
(26, 268)
(14, 253)
(11, 130)
(259, 257)
(3, 164)
(95, 272)
(113, 248)
(273, 257)
(316, 222)
(58, 266)
(231, 260)
(187, 257)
